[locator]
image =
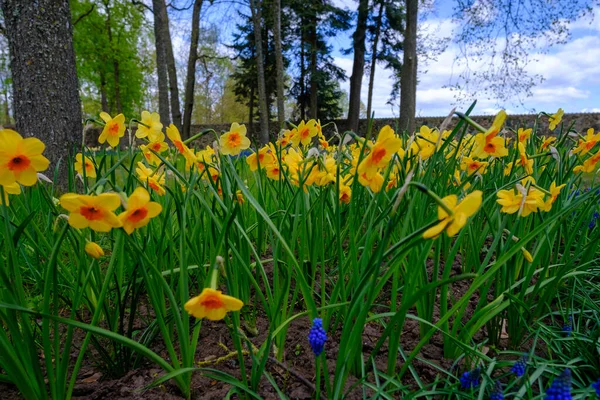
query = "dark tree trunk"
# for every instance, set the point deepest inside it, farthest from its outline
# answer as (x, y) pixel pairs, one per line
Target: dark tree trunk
(171, 68)
(358, 67)
(263, 137)
(302, 73)
(161, 65)
(251, 111)
(6, 108)
(408, 75)
(313, 70)
(103, 98)
(279, 63)
(374, 59)
(45, 88)
(191, 70)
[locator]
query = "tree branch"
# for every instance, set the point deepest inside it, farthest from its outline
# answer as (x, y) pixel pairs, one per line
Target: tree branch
(85, 14)
(180, 9)
(139, 3)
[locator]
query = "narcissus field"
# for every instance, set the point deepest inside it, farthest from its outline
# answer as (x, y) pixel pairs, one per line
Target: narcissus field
(443, 264)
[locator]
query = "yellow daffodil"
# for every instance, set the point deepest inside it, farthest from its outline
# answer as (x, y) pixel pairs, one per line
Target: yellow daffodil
(487, 143)
(265, 156)
(587, 143)
(93, 250)
(555, 119)
(554, 192)
(212, 304)
(524, 134)
(381, 153)
(304, 133)
(523, 160)
(20, 159)
(90, 170)
(96, 212)
(157, 146)
(462, 210)
(546, 142)
(149, 126)
(152, 178)
(234, 141)
(114, 129)
(175, 137)
(374, 182)
(139, 210)
(345, 193)
(589, 165)
(471, 166)
(510, 200)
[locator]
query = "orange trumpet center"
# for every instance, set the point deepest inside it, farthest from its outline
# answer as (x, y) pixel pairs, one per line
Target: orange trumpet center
(19, 163)
(234, 139)
(91, 213)
(113, 128)
(138, 215)
(378, 154)
(212, 302)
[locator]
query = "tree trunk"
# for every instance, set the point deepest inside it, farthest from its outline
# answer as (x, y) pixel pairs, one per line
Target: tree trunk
(161, 65)
(408, 75)
(358, 67)
(103, 98)
(170, 59)
(45, 87)
(6, 108)
(279, 63)
(313, 69)
(251, 111)
(262, 95)
(188, 103)
(374, 59)
(302, 73)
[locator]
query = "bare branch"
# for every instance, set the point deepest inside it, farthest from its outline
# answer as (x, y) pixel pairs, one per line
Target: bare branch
(170, 5)
(85, 14)
(139, 3)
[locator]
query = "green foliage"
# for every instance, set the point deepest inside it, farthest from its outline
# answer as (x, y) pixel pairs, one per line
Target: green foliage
(98, 53)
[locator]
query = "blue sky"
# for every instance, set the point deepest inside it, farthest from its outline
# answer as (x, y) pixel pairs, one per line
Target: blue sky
(570, 71)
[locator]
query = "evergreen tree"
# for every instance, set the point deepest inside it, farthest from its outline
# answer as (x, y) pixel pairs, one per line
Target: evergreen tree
(246, 87)
(317, 77)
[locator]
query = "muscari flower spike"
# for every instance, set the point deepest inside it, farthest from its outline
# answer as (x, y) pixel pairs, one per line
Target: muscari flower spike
(596, 386)
(497, 393)
(568, 326)
(317, 336)
(519, 367)
(561, 387)
(470, 379)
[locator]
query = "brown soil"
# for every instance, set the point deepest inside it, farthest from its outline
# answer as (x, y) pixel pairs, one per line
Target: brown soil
(295, 375)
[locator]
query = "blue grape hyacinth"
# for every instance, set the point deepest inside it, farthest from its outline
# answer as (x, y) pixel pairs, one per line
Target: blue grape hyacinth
(561, 387)
(596, 386)
(519, 368)
(568, 326)
(317, 336)
(497, 393)
(470, 379)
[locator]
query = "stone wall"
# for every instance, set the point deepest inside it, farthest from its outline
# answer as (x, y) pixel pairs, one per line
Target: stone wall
(581, 121)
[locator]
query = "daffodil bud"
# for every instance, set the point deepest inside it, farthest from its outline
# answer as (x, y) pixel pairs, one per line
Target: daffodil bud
(93, 250)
